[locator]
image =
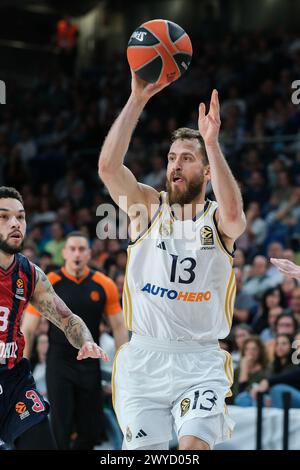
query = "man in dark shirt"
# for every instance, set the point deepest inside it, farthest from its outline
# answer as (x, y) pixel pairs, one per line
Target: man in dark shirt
(74, 389)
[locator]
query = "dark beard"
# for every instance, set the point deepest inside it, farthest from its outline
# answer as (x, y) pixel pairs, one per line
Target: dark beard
(193, 190)
(6, 248)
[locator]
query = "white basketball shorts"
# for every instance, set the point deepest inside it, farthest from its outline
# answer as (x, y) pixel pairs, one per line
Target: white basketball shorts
(160, 383)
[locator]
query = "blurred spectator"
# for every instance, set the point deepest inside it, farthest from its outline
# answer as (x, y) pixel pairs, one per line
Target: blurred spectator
(275, 250)
(241, 333)
(252, 369)
(107, 343)
(56, 244)
(258, 281)
(268, 333)
(256, 230)
(119, 280)
(157, 177)
(295, 304)
(245, 305)
(26, 147)
(39, 371)
(288, 285)
(271, 298)
(282, 354)
(66, 42)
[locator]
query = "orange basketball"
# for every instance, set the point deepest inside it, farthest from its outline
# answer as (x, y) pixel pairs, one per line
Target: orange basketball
(159, 51)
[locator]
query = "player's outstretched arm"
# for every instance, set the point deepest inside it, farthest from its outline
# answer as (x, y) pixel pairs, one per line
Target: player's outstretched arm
(118, 179)
(286, 267)
(230, 216)
(52, 307)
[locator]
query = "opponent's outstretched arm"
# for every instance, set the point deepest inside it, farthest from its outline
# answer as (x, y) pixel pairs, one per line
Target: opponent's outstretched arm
(230, 216)
(118, 179)
(52, 307)
(286, 267)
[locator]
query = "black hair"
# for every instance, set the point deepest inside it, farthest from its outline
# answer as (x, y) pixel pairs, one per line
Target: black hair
(277, 365)
(286, 315)
(7, 192)
(76, 233)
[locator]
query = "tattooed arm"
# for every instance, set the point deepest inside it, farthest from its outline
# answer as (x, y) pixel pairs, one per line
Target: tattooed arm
(52, 307)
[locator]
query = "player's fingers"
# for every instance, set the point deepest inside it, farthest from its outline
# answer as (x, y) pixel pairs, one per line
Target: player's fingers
(214, 105)
(213, 120)
(153, 88)
(80, 355)
(201, 110)
(279, 263)
(216, 100)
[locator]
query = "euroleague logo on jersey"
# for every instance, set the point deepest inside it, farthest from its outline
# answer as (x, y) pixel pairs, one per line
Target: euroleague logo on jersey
(20, 283)
(20, 286)
(21, 409)
(207, 236)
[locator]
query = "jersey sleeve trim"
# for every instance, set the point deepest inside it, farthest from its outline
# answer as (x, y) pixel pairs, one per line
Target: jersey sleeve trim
(219, 238)
(150, 224)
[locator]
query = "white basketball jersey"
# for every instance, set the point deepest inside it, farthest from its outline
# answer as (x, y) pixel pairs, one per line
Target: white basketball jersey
(179, 281)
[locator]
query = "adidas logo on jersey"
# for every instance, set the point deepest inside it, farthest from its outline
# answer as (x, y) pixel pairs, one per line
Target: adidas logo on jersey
(161, 245)
(141, 433)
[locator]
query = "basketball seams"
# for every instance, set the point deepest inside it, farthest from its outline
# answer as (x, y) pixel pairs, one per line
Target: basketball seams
(173, 43)
(149, 61)
(184, 34)
(154, 47)
(165, 47)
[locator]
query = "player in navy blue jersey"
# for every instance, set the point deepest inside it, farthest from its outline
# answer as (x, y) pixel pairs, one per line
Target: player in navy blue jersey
(23, 411)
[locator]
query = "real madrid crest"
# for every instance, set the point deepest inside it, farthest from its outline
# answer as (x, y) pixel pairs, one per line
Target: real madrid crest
(128, 434)
(185, 406)
(166, 228)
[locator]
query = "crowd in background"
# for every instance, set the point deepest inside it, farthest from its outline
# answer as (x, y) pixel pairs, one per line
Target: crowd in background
(50, 138)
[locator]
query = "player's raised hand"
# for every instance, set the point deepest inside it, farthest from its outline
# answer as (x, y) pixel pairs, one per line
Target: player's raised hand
(209, 124)
(286, 267)
(90, 349)
(143, 90)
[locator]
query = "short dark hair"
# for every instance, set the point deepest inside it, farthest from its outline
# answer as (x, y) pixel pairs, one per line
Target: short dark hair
(7, 192)
(76, 233)
(187, 133)
(286, 315)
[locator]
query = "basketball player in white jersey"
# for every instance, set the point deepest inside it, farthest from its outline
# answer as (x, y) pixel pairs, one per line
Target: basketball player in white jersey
(178, 296)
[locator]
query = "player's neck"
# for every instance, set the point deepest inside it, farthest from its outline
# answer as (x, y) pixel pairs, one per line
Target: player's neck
(6, 260)
(189, 211)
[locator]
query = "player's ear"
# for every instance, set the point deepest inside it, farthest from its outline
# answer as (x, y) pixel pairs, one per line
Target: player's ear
(63, 253)
(207, 172)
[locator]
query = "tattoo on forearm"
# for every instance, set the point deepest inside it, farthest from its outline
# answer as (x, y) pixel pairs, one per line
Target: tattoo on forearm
(77, 332)
(55, 310)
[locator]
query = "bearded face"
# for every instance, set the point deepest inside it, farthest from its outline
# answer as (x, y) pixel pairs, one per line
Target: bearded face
(186, 172)
(11, 247)
(183, 191)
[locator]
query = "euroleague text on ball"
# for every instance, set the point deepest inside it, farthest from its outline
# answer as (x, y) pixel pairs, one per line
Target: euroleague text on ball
(2, 92)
